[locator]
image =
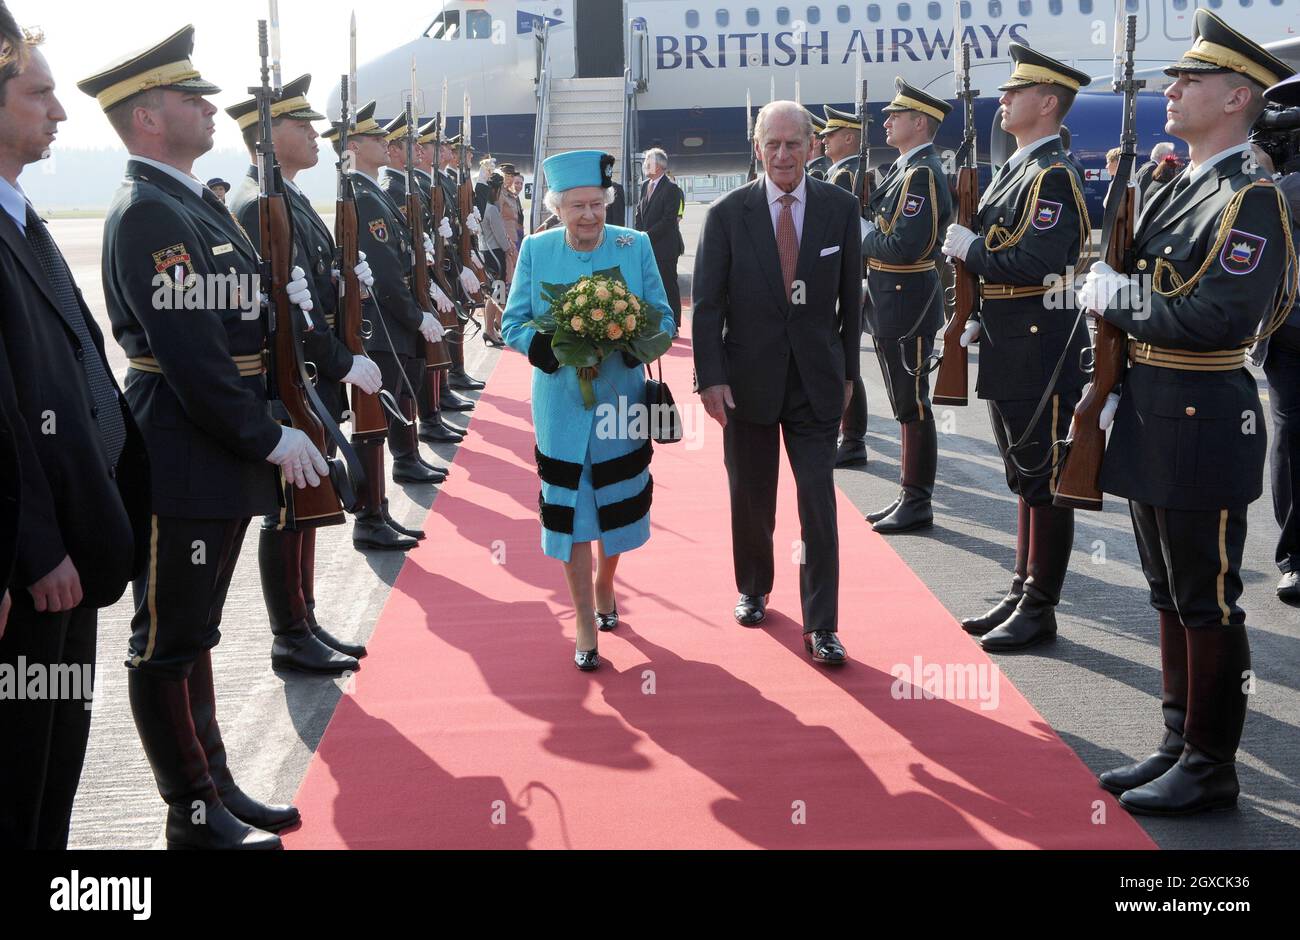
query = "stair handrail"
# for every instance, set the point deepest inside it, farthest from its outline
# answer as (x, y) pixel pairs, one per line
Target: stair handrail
(543, 116)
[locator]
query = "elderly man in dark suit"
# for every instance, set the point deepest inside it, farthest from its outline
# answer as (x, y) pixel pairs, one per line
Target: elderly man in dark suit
(659, 214)
(85, 477)
(778, 317)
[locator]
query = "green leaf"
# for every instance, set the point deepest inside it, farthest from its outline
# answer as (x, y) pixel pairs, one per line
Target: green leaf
(650, 348)
(573, 350)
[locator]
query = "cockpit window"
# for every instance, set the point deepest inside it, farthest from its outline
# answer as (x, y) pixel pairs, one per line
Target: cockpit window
(446, 25)
(478, 24)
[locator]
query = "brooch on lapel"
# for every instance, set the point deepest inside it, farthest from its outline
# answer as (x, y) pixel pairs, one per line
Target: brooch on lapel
(624, 241)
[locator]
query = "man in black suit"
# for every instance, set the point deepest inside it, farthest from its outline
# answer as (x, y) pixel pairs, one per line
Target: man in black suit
(84, 519)
(659, 214)
(778, 316)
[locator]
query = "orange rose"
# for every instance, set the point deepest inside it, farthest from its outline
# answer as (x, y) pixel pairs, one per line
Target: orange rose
(602, 293)
(620, 306)
(576, 323)
(615, 331)
(598, 314)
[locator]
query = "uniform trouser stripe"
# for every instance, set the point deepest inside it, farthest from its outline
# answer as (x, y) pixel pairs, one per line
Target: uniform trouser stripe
(1223, 567)
(152, 597)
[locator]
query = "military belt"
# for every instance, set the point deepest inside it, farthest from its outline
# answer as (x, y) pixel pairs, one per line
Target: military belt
(247, 365)
(915, 268)
(1010, 291)
(1186, 360)
(329, 319)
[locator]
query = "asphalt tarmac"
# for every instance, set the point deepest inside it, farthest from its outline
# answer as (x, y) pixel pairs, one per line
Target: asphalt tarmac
(1097, 685)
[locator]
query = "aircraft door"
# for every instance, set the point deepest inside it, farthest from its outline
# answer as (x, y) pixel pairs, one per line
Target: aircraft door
(1179, 18)
(598, 38)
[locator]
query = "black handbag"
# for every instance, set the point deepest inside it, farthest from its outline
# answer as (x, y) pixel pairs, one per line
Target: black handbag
(665, 420)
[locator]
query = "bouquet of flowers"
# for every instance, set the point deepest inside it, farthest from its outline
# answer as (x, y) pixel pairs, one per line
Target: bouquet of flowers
(596, 317)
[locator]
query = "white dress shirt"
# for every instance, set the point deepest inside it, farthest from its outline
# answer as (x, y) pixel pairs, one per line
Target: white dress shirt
(14, 201)
(190, 182)
(800, 194)
(904, 157)
(1196, 172)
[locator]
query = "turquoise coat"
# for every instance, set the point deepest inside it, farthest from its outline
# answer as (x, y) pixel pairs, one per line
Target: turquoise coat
(592, 484)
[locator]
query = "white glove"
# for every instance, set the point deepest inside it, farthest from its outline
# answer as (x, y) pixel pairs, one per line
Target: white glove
(301, 296)
(478, 258)
(971, 333)
(471, 222)
(1107, 415)
(298, 459)
(431, 329)
(365, 375)
(440, 300)
(363, 272)
(867, 228)
(1100, 285)
(428, 244)
(958, 241)
(444, 228)
(470, 282)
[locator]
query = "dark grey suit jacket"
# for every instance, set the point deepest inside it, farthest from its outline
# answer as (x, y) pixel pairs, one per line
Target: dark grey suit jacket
(745, 331)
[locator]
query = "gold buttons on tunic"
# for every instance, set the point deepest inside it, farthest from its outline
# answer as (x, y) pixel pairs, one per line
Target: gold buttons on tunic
(1033, 329)
(1142, 264)
(898, 287)
(1190, 410)
(1169, 249)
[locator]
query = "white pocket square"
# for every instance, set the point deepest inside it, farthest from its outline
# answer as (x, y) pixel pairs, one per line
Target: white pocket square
(830, 251)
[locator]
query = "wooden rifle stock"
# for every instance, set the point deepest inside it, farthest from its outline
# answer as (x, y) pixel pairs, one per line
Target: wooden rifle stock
(368, 419)
(436, 355)
(952, 383)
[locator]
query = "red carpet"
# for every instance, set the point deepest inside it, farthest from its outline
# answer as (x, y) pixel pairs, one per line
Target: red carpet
(468, 726)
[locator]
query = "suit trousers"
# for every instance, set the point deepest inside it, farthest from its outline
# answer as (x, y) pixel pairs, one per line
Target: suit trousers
(179, 598)
(752, 454)
(43, 734)
(909, 395)
(1192, 562)
(668, 272)
(1033, 472)
(1283, 370)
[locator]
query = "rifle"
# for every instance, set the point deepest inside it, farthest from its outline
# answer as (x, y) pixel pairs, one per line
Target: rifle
(749, 135)
(864, 180)
(952, 383)
(291, 392)
(1079, 484)
(465, 205)
(436, 354)
(368, 422)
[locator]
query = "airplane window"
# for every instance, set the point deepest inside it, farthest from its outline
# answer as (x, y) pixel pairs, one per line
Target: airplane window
(1054, 7)
(1245, 3)
(445, 26)
(751, 16)
(873, 13)
(934, 11)
(1215, 4)
(965, 9)
(692, 19)
(1026, 7)
(995, 7)
(783, 16)
(478, 24)
(1085, 6)
(724, 18)
(904, 12)
(814, 15)
(843, 14)
(1180, 4)
(1131, 6)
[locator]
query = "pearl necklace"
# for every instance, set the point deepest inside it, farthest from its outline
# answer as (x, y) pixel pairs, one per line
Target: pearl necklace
(568, 242)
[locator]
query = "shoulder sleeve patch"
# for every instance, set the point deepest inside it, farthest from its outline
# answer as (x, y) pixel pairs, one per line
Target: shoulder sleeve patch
(1046, 214)
(1241, 252)
(379, 230)
(912, 204)
(174, 263)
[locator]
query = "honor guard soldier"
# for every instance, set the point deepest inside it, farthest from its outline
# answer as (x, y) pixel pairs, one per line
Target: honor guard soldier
(1215, 268)
(392, 180)
(78, 533)
(458, 378)
(842, 139)
(397, 341)
(1032, 226)
(820, 163)
(181, 284)
(911, 209)
(287, 557)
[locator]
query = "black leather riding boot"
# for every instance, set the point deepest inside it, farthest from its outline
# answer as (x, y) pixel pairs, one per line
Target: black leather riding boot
(355, 650)
(370, 529)
(920, 459)
(279, 556)
(1051, 539)
(203, 708)
(1173, 704)
(1205, 777)
(1007, 606)
(196, 817)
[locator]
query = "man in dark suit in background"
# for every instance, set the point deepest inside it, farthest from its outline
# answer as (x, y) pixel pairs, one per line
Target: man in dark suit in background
(84, 520)
(778, 316)
(659, 214)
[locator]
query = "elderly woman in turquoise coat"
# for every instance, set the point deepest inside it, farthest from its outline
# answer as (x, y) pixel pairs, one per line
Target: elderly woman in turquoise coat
(595, 485)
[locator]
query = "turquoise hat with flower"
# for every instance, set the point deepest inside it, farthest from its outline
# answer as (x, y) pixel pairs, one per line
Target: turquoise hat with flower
(565, 171)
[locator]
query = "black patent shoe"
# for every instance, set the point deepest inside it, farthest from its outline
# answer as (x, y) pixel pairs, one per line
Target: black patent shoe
(305, 652)
(463, 380)
(824, 646)
(1139, 774)
(751, 610)
(851, 454)
(436, 432)
(587, 660)
(874, 517)
(265, 816)
(450, 401)
(607, 622)
(909, 516)
(355, 650)
(374, 532)
(413, 470)
(1196, 784)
